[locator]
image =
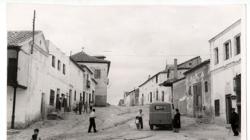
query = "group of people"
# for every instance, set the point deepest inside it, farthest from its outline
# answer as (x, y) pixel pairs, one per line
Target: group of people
(61, 103)
(83, 107)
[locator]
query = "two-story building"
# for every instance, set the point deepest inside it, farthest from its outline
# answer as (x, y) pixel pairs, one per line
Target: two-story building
(37, 75)
(198, 92)
(176, 84)
(225, 67)
(100, 67)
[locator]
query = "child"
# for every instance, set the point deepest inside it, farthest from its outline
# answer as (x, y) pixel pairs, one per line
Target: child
(137, 122)
(35, 135)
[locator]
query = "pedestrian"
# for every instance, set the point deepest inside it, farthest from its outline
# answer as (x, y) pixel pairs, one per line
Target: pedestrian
(234, 121)
(139, 116)
(60, 104)
(80, 106)
(90, 106)
(85, 107)
(92, 121)
(35, 135)
(177, 121)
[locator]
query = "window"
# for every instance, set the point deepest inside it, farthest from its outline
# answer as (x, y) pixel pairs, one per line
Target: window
(59, 65)
(75, 96)
(156, 95)
(156, 79)
(97, 73)
(52, 97)
(53, 60)
(206, 86)
(64, 67)
(216, 56)
(163, 107)
(227, 50)
(237, 43)
(217, 107)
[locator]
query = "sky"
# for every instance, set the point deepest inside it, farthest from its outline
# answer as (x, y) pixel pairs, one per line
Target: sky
(138, 39)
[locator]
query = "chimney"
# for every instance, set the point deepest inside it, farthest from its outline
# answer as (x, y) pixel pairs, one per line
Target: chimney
(149, 76)
(175, 69)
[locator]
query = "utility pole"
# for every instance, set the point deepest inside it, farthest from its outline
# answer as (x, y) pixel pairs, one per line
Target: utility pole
(33, 32)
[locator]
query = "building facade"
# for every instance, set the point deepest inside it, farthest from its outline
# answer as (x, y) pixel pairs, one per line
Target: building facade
(37, 76)
(179, 95)
(100, 67)
(198, 91)
(225, 66)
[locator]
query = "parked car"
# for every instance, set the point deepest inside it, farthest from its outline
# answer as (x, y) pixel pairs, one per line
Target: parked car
(161, 115)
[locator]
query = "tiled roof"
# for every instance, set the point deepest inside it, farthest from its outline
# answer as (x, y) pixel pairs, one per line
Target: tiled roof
(206, 62)
(83, 57)
(15, 38)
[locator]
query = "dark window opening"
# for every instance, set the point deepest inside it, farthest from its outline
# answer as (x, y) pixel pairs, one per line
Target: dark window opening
(64, 69)
(53, 60)
(52, 97)
(59, 65)
(237, 39)
(217, 107)
(216, 56)
(227, 50)
(206, 86)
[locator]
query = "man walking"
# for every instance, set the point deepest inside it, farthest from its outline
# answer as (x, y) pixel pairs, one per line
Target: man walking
(92, 121)
(139, 116)
(234, 121)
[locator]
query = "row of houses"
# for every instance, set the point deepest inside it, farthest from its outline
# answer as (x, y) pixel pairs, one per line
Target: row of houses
(39, 73)
(206, 89)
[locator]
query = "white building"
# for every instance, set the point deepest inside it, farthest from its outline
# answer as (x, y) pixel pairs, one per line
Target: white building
(159, 87)
(36, 77)
(100, 67)
(150, 91)
(225, 65)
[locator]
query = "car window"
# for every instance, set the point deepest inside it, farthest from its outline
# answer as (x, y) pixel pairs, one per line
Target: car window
(163, 107)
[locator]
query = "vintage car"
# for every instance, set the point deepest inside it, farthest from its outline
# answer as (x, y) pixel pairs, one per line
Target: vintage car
(160, 115)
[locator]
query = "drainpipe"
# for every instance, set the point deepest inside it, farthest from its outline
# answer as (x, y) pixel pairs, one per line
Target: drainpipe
(13, 108)
(14, 96)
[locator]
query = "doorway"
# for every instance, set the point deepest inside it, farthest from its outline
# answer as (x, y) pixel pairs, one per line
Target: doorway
(197, 99)
(228, 107)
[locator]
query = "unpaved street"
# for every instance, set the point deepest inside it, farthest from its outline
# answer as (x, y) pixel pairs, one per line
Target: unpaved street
(117, 123)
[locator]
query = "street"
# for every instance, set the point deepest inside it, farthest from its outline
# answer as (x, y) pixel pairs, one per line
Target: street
(117, 123)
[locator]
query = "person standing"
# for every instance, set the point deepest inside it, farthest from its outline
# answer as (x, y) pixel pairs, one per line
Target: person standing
(80, 106)
(92, 121)
(139, 116)
(35, 135)
(58, 104)
(177, 121)
(85, 107)
(234, 121)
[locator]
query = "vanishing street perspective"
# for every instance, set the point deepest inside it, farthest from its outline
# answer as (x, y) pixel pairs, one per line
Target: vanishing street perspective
(124, 72)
